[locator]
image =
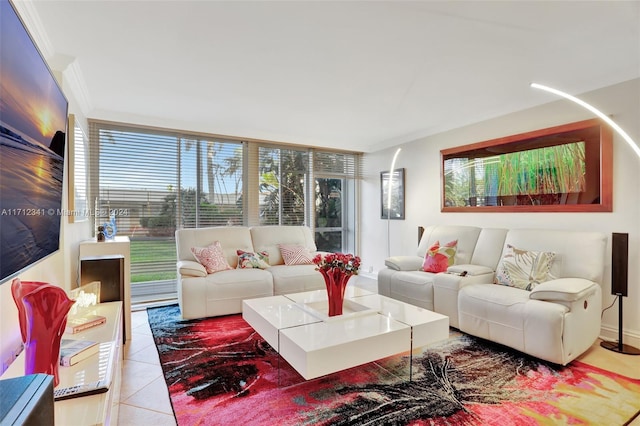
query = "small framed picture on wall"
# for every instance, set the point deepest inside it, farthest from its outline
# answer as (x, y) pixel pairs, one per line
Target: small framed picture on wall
(392, 196)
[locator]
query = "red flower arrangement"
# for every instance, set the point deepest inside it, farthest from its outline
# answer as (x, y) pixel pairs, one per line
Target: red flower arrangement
(338, 262)
(336, 268)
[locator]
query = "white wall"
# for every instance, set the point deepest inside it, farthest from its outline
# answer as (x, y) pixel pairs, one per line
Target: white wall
(421, 159)
(59, 269)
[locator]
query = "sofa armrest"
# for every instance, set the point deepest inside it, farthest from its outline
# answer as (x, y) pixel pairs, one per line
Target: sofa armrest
(563, 290)
(404, 263)
(191, 268)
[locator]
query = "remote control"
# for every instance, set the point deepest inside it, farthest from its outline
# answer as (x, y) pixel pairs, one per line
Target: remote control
(80, 390)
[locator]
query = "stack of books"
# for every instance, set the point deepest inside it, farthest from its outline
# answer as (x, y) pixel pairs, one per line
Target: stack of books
(72, 351)
(76, 324)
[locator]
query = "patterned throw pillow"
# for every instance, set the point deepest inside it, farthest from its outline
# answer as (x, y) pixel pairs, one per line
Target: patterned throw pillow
(524, 269)
(211, 257)
(295, 255)
(249, 260)
(438, 259)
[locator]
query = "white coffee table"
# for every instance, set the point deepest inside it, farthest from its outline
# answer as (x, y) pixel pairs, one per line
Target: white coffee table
(372, 327)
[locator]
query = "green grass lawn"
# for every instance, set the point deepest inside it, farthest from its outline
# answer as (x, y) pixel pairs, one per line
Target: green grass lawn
(152, 250)
(144, 251)
(153, 276)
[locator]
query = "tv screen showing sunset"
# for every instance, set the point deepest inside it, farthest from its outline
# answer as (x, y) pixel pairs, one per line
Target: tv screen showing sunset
(33, 122)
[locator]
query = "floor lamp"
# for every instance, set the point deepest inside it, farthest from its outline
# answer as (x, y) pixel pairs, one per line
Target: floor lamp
(389, 188)
(618, 289)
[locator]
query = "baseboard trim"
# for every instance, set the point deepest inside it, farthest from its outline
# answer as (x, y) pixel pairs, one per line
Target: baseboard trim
(370, 275)
(629, 337)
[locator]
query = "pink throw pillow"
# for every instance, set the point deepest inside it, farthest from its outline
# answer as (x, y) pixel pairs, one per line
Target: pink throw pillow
(211, 257)
(438, 259)
(295, 255)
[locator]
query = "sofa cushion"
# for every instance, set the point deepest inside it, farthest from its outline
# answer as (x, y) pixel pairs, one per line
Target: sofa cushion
(439, 258)
(467, 237)
(231, 238)
(221, 293)
(248, 260)
(501, 314)
(524, 269)
(578, 254)
(414, 287)
(469, 270)
(295, 255)
(211, 257)
(295, 278)
(267, 238)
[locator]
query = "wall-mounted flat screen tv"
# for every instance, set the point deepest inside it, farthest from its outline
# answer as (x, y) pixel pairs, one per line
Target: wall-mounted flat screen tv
(33, 125)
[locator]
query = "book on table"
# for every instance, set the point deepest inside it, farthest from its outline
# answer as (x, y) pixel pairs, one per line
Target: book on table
(82, 322)
(72, 351)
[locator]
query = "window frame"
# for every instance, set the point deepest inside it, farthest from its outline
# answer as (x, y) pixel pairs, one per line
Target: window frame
(79, 208)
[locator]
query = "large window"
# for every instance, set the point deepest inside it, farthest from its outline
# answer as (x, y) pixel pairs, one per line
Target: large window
(336, 176)
(210, 183)
(283, 177)
(157, 181)
(134, 173)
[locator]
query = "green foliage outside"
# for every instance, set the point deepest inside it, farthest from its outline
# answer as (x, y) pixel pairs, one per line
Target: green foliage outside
(282, 177)
(208, 214)
(328, 213)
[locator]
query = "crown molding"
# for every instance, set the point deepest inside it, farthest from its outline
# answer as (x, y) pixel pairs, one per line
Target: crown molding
(61, 65)
(76, 81)
(31, 19)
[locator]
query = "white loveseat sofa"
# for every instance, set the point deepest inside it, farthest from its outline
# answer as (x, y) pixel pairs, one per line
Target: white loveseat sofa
(204, 295)
(556, 321)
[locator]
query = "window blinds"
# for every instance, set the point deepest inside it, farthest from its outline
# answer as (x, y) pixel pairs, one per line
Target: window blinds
(158, 180)
(134, 173)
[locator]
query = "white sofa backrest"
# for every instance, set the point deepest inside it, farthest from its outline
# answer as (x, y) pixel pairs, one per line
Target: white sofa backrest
(467, 237)
(267, 238)
(578, 254)
(231, 239)
(488, 251)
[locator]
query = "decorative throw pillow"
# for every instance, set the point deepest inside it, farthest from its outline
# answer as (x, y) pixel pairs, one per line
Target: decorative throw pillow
(524, 269)
(438, 259)
(249, 260)
(295, 255)
(211, 257)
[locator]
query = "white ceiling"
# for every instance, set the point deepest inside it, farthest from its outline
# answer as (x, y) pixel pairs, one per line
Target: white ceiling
(352, 75)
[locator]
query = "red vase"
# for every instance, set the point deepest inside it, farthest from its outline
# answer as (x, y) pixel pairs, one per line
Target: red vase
(42, 310)
(18, 290)
(336, 283)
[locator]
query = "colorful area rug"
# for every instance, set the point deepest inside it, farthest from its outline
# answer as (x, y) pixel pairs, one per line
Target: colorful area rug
(219, 371)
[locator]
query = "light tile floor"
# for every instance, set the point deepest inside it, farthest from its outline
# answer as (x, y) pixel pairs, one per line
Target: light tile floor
(144, 398)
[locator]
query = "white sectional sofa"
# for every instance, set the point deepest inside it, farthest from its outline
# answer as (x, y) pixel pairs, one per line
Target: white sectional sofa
(556, 321)
(221, 293)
